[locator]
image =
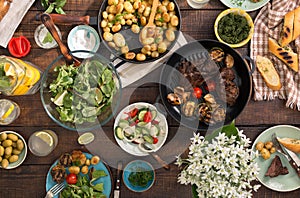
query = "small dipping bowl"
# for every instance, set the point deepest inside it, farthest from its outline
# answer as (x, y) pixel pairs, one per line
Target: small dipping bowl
(43, 37)
(83, 37)
(138, 166)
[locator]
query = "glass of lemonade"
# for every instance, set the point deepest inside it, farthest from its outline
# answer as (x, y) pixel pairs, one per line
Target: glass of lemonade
(197, 4)
(9, 111)
(42, 143)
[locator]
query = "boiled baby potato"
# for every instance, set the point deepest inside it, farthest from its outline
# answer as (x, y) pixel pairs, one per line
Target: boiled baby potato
(12, 137)
(3, 136)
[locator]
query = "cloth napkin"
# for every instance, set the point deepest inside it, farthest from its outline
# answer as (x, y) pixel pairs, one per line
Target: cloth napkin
(12, 19)
(130, 72)
(268, 23)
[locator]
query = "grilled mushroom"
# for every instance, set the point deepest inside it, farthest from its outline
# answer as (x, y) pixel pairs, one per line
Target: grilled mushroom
(179, 91)
(174, 99)
(58, 173)
(188, 108)
(65, 160)
(229, 61)
(219, 114)
(205, 113)
(217, 54)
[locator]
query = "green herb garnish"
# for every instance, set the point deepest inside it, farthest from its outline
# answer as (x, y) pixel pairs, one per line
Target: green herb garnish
(48, 38)
(85, 187)
(140, 177)
(54, 5)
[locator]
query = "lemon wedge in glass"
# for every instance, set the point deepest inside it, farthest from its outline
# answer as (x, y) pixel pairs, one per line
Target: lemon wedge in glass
(8, 112)
(46, 137)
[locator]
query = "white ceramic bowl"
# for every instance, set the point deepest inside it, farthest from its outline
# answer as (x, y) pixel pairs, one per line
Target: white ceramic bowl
(133, 148)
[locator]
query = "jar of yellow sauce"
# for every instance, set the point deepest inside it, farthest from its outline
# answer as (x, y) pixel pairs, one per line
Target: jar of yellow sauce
(18, 77)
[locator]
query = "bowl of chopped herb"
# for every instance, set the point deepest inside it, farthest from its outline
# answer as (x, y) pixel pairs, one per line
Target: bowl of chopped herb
(138, 176)
(84, 97)
(234, 27)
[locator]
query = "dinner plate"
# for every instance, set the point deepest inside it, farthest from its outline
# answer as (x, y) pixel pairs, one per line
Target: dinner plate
(132, 148)
(281, 183)
(107, 180)
(247, 5)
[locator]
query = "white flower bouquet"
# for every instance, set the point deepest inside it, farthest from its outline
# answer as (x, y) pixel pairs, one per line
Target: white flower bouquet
(221, 165)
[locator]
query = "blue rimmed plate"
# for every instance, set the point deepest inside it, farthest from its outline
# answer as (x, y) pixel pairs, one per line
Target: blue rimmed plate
(107, 180)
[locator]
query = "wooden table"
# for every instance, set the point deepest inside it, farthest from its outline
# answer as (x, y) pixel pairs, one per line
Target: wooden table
(28, 180)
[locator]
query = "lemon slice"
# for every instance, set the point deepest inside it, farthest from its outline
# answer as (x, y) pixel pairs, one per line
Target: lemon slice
(8, 112)
(47, 138)
(86, 138)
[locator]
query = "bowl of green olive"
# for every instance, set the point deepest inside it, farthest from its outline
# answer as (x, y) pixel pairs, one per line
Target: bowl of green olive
(13, 149)
(234, 27)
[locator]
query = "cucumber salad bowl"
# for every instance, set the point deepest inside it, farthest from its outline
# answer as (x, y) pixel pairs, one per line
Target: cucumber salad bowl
(140, 128)
(84, 97)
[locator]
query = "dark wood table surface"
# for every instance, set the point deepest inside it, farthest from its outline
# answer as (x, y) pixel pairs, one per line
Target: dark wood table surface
(28, 180)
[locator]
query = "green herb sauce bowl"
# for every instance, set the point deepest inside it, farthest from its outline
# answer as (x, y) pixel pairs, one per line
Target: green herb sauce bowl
(235, 33)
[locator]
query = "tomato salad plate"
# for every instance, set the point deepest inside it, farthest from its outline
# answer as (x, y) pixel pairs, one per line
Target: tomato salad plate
(140, 128)
(247, 5)
(102, 181)
(281, 183)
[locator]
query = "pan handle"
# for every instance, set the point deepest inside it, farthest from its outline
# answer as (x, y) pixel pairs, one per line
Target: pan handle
(252, 63)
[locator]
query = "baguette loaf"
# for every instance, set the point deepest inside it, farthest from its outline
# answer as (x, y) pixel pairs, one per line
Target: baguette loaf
(288, 28)
(268, 72)
(284, 53)
(296, 32)
(291, 144)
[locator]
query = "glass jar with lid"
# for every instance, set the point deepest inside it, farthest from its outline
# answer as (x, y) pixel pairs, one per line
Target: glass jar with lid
(18, 77)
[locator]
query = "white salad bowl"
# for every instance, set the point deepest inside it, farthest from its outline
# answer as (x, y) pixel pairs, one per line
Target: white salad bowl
(141, 132)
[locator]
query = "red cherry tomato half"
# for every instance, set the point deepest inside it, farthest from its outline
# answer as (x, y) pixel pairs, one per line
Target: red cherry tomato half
(19, 46)
(210, 86)
(147, 117)
(71, 178)
(197, 92)
(133, 112)
(155, 140)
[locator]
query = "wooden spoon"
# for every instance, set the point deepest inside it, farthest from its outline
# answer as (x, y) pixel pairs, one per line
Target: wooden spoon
(49, 24)
(150, 23)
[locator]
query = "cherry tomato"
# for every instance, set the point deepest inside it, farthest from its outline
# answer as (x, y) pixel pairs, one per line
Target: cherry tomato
(147, 117)
(71, 178)
(210, 86)
(155, 140)
(133, 112)
(197, 92)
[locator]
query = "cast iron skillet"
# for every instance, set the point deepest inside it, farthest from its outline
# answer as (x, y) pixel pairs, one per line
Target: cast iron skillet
(133, 39)
(170, 78)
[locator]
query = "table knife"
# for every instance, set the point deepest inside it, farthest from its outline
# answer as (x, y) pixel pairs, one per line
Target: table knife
(293, 155)
(281, 149)
(118, 180)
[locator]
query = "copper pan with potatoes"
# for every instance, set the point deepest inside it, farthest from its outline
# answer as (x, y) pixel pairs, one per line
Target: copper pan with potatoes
(120, 23)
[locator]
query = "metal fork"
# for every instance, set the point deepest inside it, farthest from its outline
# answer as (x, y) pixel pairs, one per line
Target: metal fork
(278, 147)
(55, 190)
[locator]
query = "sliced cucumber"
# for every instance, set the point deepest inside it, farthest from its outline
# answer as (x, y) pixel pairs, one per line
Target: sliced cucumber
(123, 123)
(154, 130)
(141, 124)
(119, 133)
(138, 130)
(142, 113)
(148, 138)
(154, 114)
(145, 131)
(131, 120)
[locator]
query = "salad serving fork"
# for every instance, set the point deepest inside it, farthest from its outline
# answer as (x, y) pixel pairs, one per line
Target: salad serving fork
(55, 190)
